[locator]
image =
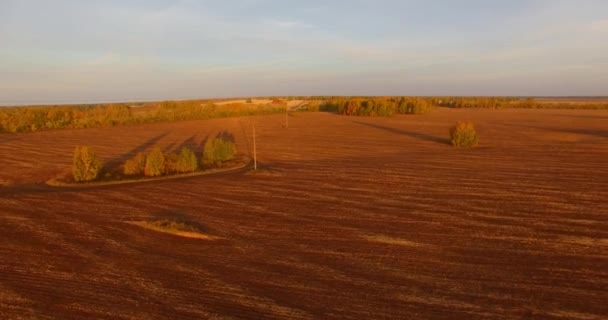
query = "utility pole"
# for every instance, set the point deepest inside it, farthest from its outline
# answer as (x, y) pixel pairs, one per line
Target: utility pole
(255, 158)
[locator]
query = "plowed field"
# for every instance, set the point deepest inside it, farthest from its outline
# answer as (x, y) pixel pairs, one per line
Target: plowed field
(348, 218)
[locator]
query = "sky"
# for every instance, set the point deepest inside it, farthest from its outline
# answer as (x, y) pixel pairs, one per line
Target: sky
(64, 51)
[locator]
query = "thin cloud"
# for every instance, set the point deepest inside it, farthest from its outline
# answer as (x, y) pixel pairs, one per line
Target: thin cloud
(599, 25)
(104, 59)
(145, 49)
(288, 24)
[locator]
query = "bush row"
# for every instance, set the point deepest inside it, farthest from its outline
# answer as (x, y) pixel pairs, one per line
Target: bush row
(215, 152)
(156, 163)
(86, 166)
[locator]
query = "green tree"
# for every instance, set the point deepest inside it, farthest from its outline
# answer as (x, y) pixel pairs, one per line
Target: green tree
(155, 163)
(217, 151)
(85, 166)
(186, 162)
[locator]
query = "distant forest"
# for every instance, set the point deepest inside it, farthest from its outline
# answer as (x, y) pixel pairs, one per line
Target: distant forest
(386, 106)
(35, 118)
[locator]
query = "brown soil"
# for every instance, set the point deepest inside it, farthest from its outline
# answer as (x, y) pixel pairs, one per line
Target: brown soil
(356, 218)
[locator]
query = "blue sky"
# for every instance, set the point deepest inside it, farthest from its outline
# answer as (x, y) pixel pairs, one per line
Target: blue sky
(87, 51)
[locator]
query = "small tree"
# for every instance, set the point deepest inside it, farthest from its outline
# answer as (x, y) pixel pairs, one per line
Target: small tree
(218, 150)
(248, 100)
(135, 166)
(463, 134)
(155, 163)
(414, 105)
(186, 162)
(85, 166)
(170, 166)
(421, 106)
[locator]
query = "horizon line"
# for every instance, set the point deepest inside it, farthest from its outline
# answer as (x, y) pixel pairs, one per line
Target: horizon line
(121, 101)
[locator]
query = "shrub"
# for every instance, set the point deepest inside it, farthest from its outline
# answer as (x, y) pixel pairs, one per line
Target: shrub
(186, 161)
(313, 106)
(414, 105)
(248, 100)
(218, 150)
(329, 106)
(385, 109)
(170, 166)
(463, 134)
(135, 166)
(155, 163)
(421, 107)
(85, 165)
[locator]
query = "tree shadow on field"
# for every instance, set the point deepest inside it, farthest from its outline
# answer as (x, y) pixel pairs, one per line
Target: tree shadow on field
(4, 137)
(582, 131)
(141, 148)
(581, 116)
(168, 149)
(417, 135)
(225, 135)
(189, 143)
(180, 216)
(245, 136)
(588, 132)
(198, 151)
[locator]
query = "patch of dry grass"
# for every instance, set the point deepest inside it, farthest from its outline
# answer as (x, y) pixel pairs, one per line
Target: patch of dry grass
(264, 173)
(172, 227)
(566, 314)
(585, 241)
(394, 241)
(243, 101)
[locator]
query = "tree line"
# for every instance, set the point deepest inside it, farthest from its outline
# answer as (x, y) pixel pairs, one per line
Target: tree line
(387, 106)
(29, 119)
(518, 103)
(376, 106)
(35, 118)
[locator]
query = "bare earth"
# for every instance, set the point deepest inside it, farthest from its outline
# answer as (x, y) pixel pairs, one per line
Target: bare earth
(350, 218)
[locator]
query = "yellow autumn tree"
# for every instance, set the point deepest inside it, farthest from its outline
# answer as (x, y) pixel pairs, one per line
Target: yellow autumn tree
(85, 166)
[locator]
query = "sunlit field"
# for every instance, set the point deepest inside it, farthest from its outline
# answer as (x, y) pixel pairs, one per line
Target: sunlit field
(346, 217)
